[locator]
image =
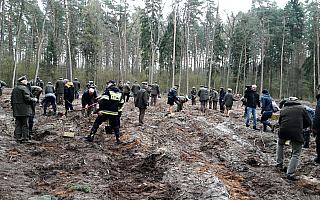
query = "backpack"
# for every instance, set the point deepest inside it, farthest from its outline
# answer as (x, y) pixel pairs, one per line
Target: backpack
(275, 107)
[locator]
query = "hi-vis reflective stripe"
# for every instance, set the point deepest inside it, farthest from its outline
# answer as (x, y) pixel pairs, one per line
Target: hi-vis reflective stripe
(120, 110)
(121, 101)
(105, 97)
(107, 112)
(115, 95)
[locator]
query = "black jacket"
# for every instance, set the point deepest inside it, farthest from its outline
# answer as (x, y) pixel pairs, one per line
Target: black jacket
(111, 101)
(88, 99)
(293, 119)
(69, 92)
(252, 97)
(316, 121)
(135, 88)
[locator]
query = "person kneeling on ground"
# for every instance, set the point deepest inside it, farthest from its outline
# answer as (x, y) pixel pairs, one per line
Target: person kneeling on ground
(172, 96)
(47, 100)
(180, 102)
(110, 105)
(293, 119)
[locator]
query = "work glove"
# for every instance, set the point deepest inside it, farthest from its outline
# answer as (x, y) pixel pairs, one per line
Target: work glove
(34, 99)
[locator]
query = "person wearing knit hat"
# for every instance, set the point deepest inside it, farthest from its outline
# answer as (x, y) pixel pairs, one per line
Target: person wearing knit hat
(266, 110)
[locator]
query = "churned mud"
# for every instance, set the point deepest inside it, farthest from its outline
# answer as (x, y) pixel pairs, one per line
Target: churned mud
(190, 155)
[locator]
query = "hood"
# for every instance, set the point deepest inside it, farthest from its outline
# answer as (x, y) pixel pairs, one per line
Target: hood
(114, 88)
(69, 84)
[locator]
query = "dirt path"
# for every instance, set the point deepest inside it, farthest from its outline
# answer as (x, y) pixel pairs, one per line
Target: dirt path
(189, 156)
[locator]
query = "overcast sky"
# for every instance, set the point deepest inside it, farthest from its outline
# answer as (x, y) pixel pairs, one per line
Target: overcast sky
(226, 6)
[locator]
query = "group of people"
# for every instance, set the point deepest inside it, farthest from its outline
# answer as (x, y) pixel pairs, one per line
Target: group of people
(296, 121)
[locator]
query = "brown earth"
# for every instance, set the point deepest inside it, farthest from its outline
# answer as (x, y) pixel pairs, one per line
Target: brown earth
(188, 156)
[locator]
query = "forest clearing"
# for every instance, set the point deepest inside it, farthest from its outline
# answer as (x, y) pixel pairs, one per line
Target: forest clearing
(190, 155)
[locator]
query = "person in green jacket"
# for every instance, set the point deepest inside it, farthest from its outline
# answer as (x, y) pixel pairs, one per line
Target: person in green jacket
(22, 102)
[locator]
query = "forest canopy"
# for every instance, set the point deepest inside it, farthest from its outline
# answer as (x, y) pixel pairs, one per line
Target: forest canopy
(274, 48)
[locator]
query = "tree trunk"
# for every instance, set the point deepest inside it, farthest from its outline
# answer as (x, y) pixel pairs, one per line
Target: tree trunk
(262, 56)
(17, 45)
(1, 33)
(41, 41)
(281, 60)
(10, 34)
(174, 41)
(239, 68)
(125, 42)
(68, 39)
(120, 47)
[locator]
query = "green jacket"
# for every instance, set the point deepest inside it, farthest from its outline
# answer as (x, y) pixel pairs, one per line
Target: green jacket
(21, 101)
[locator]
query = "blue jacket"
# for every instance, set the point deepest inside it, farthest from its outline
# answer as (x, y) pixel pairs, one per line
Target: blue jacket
(50, 97)
(311, 115)
(111, 101)
(172, 94)
(266, 103)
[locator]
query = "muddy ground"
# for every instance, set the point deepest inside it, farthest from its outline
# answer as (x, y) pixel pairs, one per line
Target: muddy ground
(188, 156)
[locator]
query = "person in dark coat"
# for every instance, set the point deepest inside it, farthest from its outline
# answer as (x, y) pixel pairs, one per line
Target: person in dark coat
(307, 131)
(135, 88)
(126, 91)
(38, 81)
(36, 91)
(77, 86)
(22, 102)
(172, 97)
(215, 99)
(142, 102)
(193, 94)
(68, 96)
(253, 101)
(293, 119)
(60, 91)
(180, 102)
(109, 107)
(50, 98)
(316, 126)
(2, 84)
(155, 92)
(203, 97)
(221, 102)
(88, 99)
(120, 85)
(228, 100)
(49, 88)
(41, 85)
(266, 110)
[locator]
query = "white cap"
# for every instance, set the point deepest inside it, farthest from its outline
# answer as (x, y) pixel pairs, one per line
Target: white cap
(91, 90)
(254, 86)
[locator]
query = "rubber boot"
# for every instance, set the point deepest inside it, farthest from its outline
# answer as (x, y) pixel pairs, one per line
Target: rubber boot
(118, 138)
(90, 137)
